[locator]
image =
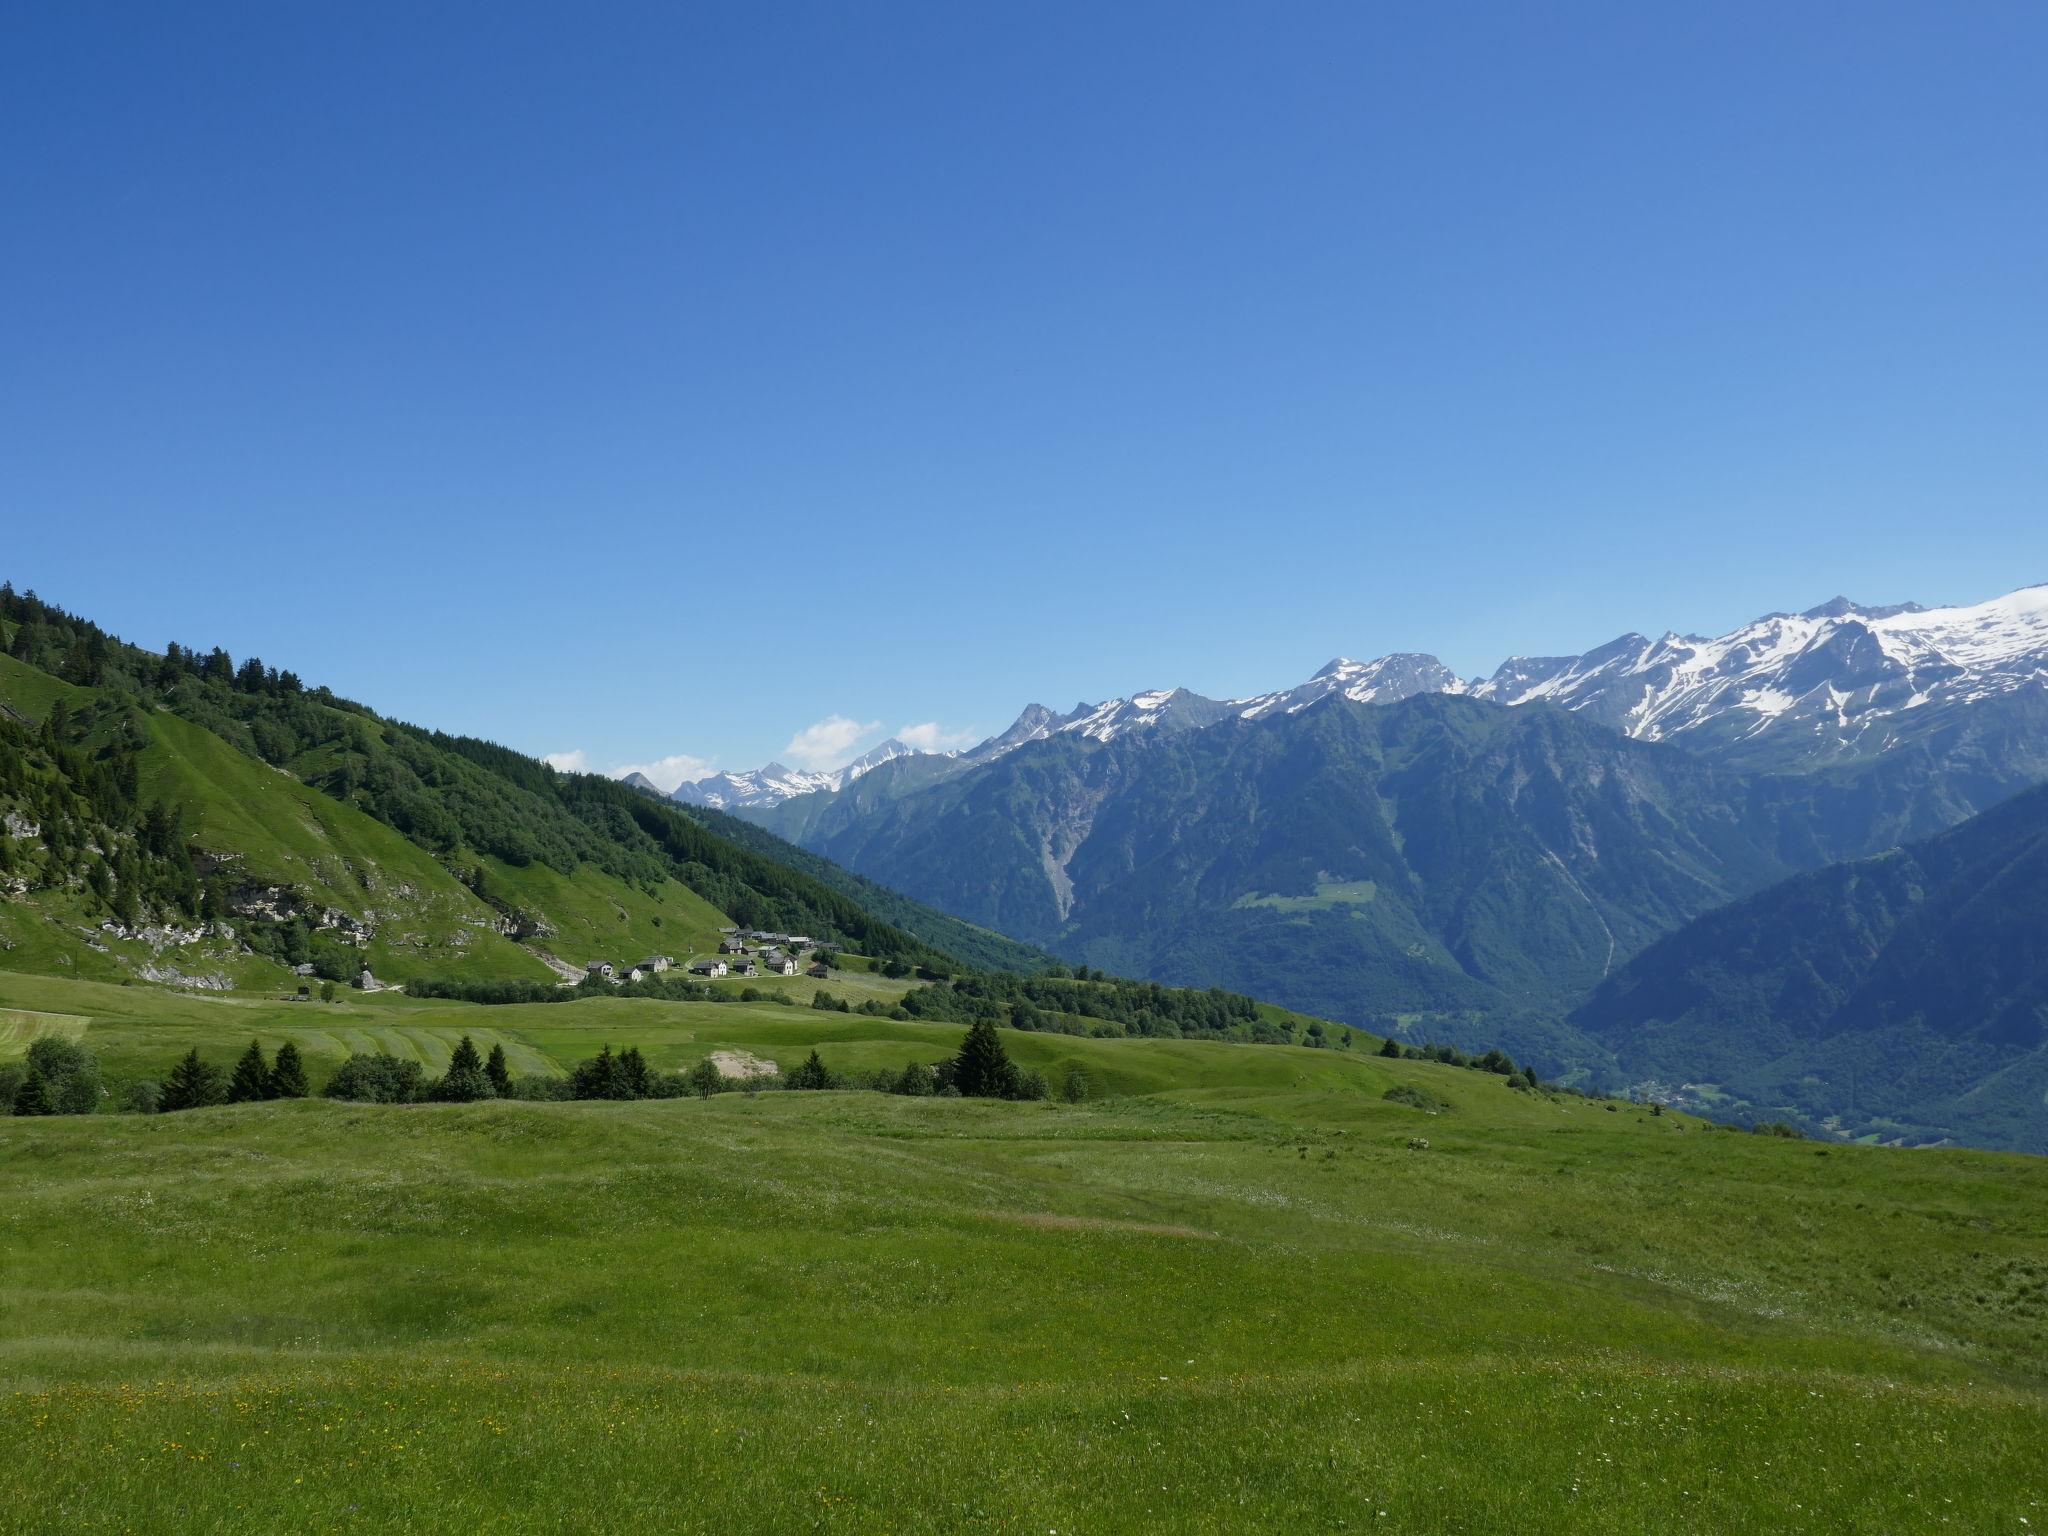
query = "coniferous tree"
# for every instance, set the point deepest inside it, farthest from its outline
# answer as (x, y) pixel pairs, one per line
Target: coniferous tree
(499, 1071)
(812, 1074)
(983, 1070)
(464, 1082)
(33, 1096)
(1391, 1048)
(251, 1081)
(636, 1079)
(193, 1084)
(288, 1074)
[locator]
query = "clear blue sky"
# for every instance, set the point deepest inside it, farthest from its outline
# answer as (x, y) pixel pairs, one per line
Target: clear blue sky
(657, 381)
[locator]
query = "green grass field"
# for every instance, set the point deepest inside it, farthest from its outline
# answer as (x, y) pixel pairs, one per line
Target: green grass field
(1226, 1296)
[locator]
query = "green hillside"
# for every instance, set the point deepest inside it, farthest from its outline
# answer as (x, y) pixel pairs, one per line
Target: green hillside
(178, 817)
(1234, 1290)
(1900, 996)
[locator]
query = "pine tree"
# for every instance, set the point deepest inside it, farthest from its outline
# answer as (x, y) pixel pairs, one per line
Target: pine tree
(288, 1074)
(251, 1081)
(812, 1074)
(499, 1071)
(33, 1096)
(982, 1070)
(193, 1084)
(636, 1079)
(464, 1082)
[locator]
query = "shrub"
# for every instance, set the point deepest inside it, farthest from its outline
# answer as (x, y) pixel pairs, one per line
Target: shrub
(33, 1097)
(377, 1079)
(1074, 1089)
(71, 1072)
(706, 1079)
(141, 1098)
(1415, 1098)
(916, 1081)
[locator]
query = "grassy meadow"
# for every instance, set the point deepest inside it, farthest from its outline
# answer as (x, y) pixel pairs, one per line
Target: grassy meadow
(1224, 1294)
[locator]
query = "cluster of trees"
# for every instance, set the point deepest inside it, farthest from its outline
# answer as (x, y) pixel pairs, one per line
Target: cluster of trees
(1092, 1002)
(77, 778)
(56, 1077)
(1495, 1060)
(196, 1083)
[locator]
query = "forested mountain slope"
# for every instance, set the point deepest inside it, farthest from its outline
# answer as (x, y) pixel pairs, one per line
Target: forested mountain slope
(183, 818)
(1902, 995)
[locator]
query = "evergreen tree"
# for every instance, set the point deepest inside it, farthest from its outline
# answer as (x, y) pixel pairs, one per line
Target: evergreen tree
(982, 1070)
(464, 1082)
(251, 1081)
(1391, 1048)
(812, 1074)
(33, 1096)
(193, 1084)
(499, 1072)
(635, 1078)
(288, 1074)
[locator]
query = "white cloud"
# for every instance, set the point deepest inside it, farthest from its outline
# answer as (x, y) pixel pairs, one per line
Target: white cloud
(934, 737)
(667, 772)
(829, 744)
(577, 761)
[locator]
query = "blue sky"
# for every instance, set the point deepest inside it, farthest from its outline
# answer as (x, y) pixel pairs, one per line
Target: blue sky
(660, 382)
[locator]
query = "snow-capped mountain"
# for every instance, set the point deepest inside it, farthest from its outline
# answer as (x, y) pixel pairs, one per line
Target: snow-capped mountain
(776, 783)
(1385, 681)
(1837, 679)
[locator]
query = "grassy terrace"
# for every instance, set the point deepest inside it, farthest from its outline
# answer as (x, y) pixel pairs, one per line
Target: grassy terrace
(1230, 1297)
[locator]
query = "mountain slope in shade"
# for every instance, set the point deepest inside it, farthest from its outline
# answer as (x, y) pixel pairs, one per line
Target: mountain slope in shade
(1438, 853)
(1904, 995)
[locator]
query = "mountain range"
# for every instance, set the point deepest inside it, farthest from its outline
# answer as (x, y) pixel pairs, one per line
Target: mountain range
(1393, 847)
(1839, 681)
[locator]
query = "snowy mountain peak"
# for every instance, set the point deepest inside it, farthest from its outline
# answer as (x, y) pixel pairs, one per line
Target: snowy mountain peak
(1833, 679)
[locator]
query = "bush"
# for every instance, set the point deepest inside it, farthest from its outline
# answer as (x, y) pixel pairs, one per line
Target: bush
(916, 1081)
(70, 1074)
(377, 1079)
(1415, 1098)
(1075, 1088)
(1031, 1084)
(141, 1098)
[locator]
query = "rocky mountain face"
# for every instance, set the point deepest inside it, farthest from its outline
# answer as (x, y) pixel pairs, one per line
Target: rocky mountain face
(1904, 996)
